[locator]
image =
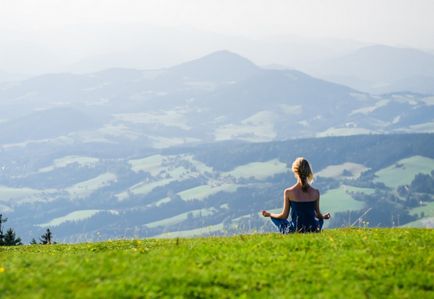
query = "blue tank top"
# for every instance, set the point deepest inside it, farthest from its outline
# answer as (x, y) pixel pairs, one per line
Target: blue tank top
(303, 216)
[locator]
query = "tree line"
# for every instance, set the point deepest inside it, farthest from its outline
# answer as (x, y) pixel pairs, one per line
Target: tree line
(10, 238)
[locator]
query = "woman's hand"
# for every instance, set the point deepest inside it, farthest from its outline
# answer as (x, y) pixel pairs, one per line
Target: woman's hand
(326, 216)
(266, 214)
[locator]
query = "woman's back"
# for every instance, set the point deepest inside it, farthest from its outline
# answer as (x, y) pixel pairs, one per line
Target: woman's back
(297, 194)
(303, 205)
(301, 201)
(303, 216)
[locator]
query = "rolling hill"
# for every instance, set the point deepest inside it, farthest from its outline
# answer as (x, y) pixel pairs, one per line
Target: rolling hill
(381, 69)
(221, 96)
(83, 194)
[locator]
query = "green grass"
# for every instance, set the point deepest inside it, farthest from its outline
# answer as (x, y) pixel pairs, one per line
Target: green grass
(149, 164)
(343, 263)
(13, 196)
(86, 188)
(336, 171)
(67, 160)
(171, 221)
(404, 171)
(75, 217)
(340, 200)
(203, 191)
(343, 132)
(143, 188)
(428, 216)
(195, 232)
(427, 222)
(71, 217)
(258, 170)
(164, 165)
(427, 209)
(9, 193)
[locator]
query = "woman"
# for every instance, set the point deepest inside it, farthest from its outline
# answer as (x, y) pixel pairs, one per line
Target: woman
(303, 201)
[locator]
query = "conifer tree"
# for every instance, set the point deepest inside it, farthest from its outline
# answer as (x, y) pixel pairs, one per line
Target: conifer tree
(33, 242)
(10, 239)
(47, 237)
(2, 236)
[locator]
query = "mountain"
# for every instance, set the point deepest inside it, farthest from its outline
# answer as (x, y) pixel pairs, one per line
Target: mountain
(380, 69)
(219, 66)
(221, 96)
(45, 124)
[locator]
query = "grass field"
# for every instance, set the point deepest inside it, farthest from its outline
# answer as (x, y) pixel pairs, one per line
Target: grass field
(258, 170)
(342, 263)
(337, 171)
(203, 191)
(427, 209)
(74, 217)
(340, 200)
(173, 221)
(67, 160)
(404, 171)
(166, 165)
(86, 188)
(11, 195)
(427, 222)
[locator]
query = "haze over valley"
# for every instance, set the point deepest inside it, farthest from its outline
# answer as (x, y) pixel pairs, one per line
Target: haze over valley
(114, 127)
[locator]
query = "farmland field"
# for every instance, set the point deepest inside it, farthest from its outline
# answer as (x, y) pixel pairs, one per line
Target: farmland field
(404, 171)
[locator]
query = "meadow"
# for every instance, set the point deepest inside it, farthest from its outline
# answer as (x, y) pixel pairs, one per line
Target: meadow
(339, 263)
(404, 171)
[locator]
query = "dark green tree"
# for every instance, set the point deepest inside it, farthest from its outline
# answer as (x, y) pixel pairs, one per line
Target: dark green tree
(423, 183)
(10, 239)
(47, 238)
(33, 242)
(2, 236)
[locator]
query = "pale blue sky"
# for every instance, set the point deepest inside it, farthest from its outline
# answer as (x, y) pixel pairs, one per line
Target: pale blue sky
(396, 22)
(58, 35)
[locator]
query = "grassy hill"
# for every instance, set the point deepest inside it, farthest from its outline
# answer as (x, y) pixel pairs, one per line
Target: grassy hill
(404, 171)
(342, 263)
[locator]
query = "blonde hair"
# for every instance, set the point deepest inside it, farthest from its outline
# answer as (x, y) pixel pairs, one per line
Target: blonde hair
(303, 172)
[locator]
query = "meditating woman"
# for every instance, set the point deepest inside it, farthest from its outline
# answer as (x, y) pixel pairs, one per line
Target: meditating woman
(303, 202)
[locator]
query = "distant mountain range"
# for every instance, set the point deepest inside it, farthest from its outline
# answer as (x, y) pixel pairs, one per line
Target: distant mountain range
(221, 96)
(381, 69)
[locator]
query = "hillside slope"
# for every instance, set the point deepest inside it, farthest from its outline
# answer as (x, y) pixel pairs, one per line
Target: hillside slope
(83, 195)
(344, 263)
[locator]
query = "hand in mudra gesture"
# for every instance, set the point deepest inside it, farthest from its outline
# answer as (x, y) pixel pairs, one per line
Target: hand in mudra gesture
(326, 216)
(266, 213)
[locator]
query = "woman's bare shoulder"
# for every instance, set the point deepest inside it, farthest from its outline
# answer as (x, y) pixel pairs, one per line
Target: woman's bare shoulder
(290, 190)
(315, 191)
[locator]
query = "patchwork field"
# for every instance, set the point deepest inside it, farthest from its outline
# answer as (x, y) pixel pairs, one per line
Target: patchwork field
(404, 171)
(86, 188)
(346, 170)
(68, 160)
(71, 217)
(340, 200)
(173, 221)
(204, 191)
(258, 170)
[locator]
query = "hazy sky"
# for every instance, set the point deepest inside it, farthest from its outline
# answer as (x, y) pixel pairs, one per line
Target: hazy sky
(405, 22)
(57, 32)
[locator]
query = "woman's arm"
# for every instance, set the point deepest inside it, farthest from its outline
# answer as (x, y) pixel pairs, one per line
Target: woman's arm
(318, 212)
(286, 206)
